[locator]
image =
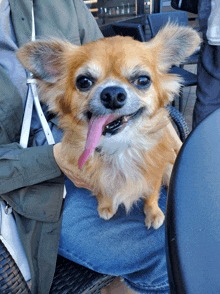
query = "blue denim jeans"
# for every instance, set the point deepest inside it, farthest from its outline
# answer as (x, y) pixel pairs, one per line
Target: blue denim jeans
(121, 246)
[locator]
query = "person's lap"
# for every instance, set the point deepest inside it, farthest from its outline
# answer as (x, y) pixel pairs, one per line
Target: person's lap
(121, 246)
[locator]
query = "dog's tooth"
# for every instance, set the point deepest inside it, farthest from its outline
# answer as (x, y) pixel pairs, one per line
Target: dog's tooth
(125, 119)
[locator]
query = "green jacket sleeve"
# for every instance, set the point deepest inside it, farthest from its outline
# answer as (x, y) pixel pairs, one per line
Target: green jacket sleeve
(24, 167)
(30, 180)
(19, 167)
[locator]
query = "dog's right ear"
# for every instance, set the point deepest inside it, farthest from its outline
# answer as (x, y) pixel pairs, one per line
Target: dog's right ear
(45, 59)
(173, 44)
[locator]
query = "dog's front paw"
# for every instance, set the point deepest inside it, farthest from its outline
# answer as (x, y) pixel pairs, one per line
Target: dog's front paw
(154, 218)
(105, 207)
(105, 212)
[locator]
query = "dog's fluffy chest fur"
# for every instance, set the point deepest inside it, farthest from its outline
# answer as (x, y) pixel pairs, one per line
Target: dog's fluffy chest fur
(127, 141)
(123, 158)
(122, 152)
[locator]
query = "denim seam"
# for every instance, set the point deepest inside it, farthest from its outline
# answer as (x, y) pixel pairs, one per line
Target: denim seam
(135, 285)
(161, 287)
(148, 289)
(145, 284)
(80, 260)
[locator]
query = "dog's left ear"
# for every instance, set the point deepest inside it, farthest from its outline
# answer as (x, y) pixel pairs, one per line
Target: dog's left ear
(45, 59)
(173, 44)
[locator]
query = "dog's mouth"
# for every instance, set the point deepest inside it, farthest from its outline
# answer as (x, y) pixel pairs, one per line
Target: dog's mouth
(104, 125)
(119, 124)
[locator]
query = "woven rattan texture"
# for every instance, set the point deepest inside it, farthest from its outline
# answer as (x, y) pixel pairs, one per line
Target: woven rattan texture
(11, 279)
(179, 121)
(72, 278)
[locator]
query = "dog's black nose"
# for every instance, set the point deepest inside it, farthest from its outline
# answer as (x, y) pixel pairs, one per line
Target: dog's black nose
(113, 97)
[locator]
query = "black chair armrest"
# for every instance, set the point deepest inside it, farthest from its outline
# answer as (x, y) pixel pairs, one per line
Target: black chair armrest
(134, 30)
(107, 30)
(192, 217)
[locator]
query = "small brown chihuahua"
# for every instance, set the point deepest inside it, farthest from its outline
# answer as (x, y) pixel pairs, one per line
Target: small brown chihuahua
(110, 96)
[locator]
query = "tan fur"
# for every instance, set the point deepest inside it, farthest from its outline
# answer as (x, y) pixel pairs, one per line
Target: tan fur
(143, 153)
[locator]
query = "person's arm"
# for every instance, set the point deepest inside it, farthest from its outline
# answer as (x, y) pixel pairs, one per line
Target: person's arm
(88, 27)
(25, 167)
(19, 167)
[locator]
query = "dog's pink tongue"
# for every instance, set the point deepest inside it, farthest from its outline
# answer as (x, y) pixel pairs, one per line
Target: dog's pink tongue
(94, 133)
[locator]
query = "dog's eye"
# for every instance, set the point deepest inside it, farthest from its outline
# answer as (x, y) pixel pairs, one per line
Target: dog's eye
(142, 81)
(84, 83)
